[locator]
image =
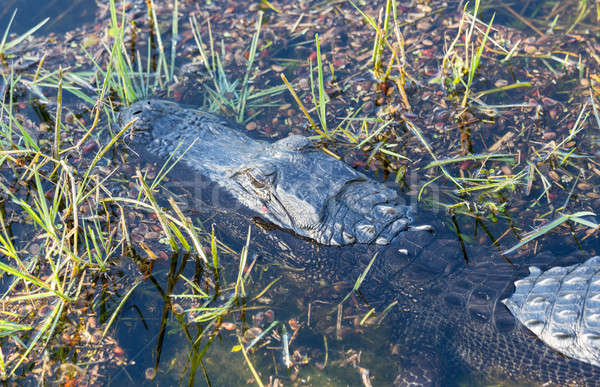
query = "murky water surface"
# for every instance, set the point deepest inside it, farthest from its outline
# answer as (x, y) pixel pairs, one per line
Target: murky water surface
(331, 344)
(63, 16)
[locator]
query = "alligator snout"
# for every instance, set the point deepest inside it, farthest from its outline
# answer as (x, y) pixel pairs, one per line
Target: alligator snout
(364, 212)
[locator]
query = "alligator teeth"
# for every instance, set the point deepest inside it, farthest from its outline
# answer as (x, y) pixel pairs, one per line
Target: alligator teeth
(334, 242)
(423, 227)
(336, 238)
(326, 236)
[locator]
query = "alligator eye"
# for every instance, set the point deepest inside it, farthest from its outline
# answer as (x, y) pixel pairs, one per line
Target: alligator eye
(135, 113)
(255, 183)
(261, 178)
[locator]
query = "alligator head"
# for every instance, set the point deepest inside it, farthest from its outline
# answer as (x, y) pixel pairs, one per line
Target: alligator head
(317, 196)
(290, 183)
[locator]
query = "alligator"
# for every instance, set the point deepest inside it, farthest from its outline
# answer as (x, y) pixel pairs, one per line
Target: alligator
(561, 306)
(450, 314)
(290, 183)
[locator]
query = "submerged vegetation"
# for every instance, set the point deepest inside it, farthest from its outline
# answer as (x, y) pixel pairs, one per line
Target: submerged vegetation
(83, 225)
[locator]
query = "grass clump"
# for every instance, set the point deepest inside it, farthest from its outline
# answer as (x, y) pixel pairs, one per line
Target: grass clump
(62, 230)
(221, 94)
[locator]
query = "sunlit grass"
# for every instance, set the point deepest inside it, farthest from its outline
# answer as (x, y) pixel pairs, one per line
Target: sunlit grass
(481, 190)
(65, 208)
(232, 97)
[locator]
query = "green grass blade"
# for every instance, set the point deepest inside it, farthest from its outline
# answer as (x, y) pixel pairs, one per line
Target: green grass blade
(251, 56)
(24, 36)
(174, 36)
(360, 278)
(119, 307)
(555, 223)
(12, 18)
(322, 93)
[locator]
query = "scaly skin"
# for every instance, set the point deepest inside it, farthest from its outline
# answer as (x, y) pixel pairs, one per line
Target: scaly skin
(561, 306)
(451, 316)
(289, 182)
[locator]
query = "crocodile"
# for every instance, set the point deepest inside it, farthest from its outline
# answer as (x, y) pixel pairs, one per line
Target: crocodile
(450, 314)
(289, 183)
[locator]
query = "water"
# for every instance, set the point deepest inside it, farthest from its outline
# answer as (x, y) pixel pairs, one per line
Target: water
(306, 294)
(64, 16)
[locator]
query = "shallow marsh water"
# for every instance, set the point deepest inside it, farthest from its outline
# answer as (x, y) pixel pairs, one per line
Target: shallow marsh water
(63, 16)
(151, 335)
